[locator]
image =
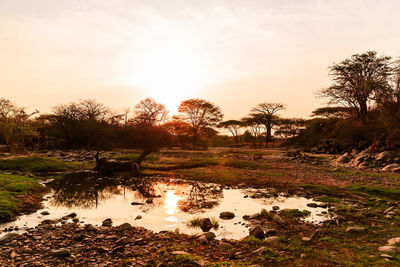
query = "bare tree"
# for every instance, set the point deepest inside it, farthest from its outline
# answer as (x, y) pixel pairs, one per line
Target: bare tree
(254, 125)
(200, 115)
(266, 112)
(149, 112)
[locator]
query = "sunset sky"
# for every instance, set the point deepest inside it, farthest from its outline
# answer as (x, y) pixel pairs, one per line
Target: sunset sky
(233, 53)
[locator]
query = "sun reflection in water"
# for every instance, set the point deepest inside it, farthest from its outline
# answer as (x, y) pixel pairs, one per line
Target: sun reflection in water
(171, 203)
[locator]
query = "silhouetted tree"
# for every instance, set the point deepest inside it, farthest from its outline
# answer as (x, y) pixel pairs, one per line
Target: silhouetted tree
(200, 115)
(233, 126)
(149, 112)
(358, 80)
(266, 113)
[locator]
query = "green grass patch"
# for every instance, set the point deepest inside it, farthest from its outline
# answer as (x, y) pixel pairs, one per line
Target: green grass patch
(10, 187)
(40, 164)
(328, 199)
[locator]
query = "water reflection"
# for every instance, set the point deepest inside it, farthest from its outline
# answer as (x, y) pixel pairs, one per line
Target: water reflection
(85, 191)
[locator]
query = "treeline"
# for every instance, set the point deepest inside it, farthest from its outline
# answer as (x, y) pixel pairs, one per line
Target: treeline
(363, 111)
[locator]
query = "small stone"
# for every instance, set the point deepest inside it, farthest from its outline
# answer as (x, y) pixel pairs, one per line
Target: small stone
(149, 201)
(394, 241)
(390, 249)
(136, 203)
(205, 224)
(269, 232)
(225, 246)
(45, 212)
(209, 235)
(13, 254)
(227, 215)
(125, 226)
(278, 219)
(107, 222)
(275, 208)
(355, 229)
(138, 217)
(306, 239)
(257, 231)
(387, 256)
(272, 240)
(312, 205)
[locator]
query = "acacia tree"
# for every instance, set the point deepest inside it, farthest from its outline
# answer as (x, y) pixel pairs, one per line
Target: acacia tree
(200, 115)
(254, 125)
(267, 114)
(233, 126)
(358, 80)
(289, 127)
(148, 112)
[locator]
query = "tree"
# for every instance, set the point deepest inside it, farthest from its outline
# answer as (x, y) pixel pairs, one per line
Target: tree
(149, 112)
(358, 80)
(200, 115)
(17, 129)
(289, 128)
(254, 125)
(233, 126)
(80, 122)
(332, 112)
(266, 113)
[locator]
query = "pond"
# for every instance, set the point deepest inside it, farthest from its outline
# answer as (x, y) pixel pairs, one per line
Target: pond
(162, 204)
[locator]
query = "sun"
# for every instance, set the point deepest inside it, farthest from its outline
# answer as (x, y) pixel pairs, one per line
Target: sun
(171, 73)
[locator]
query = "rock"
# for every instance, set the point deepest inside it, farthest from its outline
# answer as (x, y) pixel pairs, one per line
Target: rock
(269, 232)
(387, 256)
(312, 205)
(257, 232)
(345, 158)
(136, 203)
(13, 254)
(207, 235)
(107, 222)
(116, 250)
(355, 229)
(358, 160)
(8, 238)
(179, 252)
(45, 212)
(275, 208)
(227, 215)
(90, 228)
(138, 217)
(205, 224)
(278, 219)
(273, 240)
(390, 249)
(123, 241)
(306, 239)
(125, 226)
(225, 246)
(149, 201)
(393, 241)
(389, 209)
(385, 156)
(63, 252)
(390, 167)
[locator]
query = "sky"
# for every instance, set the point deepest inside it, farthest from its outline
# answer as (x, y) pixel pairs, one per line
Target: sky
(233, 53)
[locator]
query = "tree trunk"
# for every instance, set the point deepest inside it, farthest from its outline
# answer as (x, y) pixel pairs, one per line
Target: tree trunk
(268, 135)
